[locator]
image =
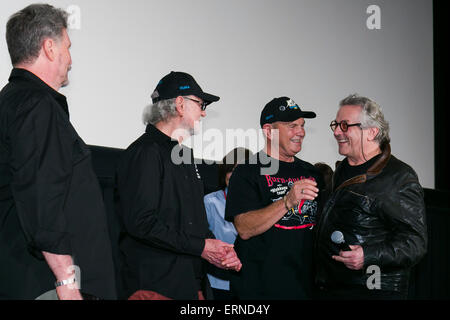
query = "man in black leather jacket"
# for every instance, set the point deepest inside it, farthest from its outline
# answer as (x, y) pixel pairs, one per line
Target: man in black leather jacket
(377, 206)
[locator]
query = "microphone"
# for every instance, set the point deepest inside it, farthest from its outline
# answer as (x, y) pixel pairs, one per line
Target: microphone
(338, 238)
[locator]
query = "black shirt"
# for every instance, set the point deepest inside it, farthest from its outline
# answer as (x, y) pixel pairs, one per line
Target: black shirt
(278, 263)
(50, 199)
(161, 206)
(346, 171)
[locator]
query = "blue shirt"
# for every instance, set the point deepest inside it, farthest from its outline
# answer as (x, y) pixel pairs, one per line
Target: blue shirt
(222, 229)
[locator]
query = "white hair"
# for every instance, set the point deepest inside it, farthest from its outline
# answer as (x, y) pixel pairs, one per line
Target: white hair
(371, 116)
(159, 111)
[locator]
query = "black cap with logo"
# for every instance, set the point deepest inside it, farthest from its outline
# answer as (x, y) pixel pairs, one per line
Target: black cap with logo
(283, 109)
(180, 84)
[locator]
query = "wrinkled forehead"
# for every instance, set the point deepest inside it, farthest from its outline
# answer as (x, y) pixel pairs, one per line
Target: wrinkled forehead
(349, 113)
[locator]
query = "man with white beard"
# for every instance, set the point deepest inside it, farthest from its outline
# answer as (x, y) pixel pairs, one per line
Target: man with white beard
(161, 201)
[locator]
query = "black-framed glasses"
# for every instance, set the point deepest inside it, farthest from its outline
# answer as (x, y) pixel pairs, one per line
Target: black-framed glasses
(201, 104)
(343, 125)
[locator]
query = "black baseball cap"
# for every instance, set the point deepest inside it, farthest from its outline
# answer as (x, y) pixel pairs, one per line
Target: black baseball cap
(283, 109)
(180, 84)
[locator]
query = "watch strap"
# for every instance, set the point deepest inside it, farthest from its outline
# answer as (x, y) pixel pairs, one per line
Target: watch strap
(64, 282)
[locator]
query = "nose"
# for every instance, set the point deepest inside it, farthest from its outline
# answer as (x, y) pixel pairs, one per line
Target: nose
(337, 131)
(339, 134)
(301, 131)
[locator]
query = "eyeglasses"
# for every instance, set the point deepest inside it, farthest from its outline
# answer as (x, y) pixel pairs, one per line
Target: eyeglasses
(201, 104)
(343, 125)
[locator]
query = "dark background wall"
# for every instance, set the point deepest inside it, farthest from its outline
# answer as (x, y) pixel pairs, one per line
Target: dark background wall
(441, 113)
(431, 277)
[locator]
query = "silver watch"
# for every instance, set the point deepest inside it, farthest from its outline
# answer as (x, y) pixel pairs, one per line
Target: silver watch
(65, 282)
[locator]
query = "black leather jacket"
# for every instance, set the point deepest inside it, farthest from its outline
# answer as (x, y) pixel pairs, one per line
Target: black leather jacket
(384, 212)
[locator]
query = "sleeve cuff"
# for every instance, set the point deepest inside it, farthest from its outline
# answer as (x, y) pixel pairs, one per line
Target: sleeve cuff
(370, 254)
(196, 246)
(52, 242)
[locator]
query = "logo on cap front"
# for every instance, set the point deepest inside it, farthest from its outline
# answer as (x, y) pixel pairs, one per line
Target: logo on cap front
(291, 104)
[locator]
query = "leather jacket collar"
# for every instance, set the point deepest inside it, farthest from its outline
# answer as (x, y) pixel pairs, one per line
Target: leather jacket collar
(374, 170)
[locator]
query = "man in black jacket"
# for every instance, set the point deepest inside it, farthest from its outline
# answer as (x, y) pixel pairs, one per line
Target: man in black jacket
(53, 228)
(161, 201)
(376, 207)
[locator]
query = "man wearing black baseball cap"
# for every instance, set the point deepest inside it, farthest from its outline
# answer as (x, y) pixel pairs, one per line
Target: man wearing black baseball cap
(161, 201)
(180, 84)
(275, 213)
(283, 109)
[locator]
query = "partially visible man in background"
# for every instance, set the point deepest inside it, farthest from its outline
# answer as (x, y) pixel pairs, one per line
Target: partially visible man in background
(224, 230)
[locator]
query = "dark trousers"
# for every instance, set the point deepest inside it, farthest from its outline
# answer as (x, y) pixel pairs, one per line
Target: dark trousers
(223, 295)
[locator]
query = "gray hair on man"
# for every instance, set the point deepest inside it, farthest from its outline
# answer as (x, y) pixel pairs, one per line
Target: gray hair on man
(160, 111)
(371, 116)
(29, 27)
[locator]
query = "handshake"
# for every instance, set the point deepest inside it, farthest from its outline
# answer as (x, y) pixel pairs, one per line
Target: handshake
(221, 255)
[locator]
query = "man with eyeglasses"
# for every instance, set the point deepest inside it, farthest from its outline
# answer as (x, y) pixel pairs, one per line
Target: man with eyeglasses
(376, 207)
(166, 235)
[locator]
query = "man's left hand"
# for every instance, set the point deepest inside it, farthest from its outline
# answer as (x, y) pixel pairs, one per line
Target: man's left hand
(221, 254)
(354, 259)
(231, 260)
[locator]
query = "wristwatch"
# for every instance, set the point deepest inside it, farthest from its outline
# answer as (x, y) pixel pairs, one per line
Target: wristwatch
(65, 282)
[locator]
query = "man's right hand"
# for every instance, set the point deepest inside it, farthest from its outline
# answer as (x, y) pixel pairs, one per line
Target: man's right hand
(304, 189)
(61, 265)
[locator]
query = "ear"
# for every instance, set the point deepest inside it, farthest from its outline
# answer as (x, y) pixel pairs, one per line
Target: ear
(267, 130)
(372, 133)
(180, 106)
(48, 48)
(270, 130)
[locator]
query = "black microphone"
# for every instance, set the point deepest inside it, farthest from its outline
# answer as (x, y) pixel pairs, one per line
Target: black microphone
(338, 238)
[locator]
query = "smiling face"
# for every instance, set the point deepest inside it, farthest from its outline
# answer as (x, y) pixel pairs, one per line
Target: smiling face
(289, 136)
(349, 142)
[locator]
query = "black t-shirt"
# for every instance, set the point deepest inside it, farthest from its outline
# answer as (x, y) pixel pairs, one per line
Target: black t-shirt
(346, 171)
(278, 263)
